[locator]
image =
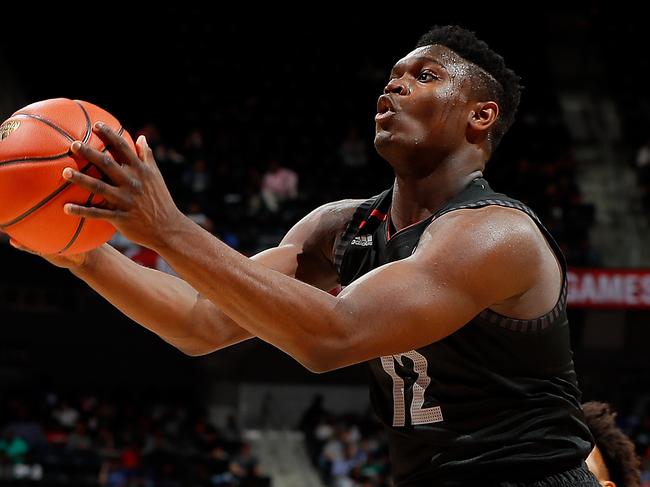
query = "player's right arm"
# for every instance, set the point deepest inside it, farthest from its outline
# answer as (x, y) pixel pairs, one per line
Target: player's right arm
(175, 311)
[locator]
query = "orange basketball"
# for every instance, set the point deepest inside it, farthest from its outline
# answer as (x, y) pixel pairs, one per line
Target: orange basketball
(34, 150)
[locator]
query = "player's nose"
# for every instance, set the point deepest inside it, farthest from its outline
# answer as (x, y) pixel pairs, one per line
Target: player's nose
(397, 86)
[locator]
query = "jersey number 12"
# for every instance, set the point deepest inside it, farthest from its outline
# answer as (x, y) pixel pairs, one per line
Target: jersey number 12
(419, 414)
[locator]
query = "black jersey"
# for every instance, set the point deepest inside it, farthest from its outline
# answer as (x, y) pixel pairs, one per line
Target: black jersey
(497, 400)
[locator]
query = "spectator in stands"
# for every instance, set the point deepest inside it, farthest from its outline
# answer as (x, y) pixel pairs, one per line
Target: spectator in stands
(613, 460)
(643, 169)
(66, 415)
(343, 468)
(313, 414)
(245, 465)
(232, 431)
(643, 155)
(13, 448)
(219, 466)
(113, 475)
(79, 439)
(25, 426)
(279, 184)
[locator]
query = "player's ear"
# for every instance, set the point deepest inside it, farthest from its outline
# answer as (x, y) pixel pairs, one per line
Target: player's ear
(480, 120)
(608, 483)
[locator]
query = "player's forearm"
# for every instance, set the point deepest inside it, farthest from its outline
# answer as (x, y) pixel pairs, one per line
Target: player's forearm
(291, 315)
(164, 304)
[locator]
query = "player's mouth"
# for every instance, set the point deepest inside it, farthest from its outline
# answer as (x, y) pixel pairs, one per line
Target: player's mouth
(385, 108)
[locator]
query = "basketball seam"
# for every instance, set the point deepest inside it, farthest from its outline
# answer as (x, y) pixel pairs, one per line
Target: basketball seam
(51, 124)
(35, 159)
(80, 225)
(43, 202)
(51, 196)
(47, 122)
(88, 127)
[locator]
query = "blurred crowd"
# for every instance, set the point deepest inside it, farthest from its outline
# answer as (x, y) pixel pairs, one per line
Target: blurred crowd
(642, 164)
(347, 450)
(121, 441)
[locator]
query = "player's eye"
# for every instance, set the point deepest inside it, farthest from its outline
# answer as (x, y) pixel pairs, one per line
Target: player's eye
(425, 76)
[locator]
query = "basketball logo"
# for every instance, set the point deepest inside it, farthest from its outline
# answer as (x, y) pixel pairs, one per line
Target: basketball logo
(7, 128)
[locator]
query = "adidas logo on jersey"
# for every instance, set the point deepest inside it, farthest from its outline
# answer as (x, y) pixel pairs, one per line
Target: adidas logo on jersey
(362, 241)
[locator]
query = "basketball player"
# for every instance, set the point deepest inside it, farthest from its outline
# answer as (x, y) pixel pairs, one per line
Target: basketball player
(613, 460)
(454, 294)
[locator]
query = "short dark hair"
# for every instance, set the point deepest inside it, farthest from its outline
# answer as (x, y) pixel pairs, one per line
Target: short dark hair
(500, 82)
(616, 448)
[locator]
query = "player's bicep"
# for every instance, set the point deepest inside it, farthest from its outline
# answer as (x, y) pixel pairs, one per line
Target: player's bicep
(399, 307)
(461, 267)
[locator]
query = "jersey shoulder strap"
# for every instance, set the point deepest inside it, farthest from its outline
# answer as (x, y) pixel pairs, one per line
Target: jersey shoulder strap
(367, 217)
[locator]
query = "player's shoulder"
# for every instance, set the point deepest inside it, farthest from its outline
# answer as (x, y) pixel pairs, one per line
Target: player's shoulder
(497, 251)
(490, 218)
(493, 230)
(334, 216)
(320, 228)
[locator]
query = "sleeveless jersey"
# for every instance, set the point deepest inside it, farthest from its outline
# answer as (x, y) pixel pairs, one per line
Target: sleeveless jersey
(498, 400)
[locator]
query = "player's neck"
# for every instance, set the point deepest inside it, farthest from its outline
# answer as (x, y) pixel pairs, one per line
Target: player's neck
(417, 198)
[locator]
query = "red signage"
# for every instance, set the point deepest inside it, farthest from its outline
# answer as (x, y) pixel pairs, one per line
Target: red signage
(608, 288)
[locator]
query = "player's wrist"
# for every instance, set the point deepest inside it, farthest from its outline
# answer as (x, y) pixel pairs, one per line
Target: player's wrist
(173, 233)
(87, 261)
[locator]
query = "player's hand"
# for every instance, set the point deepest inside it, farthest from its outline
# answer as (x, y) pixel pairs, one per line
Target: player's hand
(137, 201)
(64, 261)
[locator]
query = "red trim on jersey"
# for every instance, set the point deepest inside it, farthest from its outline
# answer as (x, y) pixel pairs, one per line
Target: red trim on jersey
(377, 214)
(388, 235)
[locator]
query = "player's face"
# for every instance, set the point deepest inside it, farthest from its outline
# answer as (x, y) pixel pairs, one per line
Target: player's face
(424, 109)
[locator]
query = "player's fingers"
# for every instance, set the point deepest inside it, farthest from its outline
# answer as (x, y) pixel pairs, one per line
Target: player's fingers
(144, 151)
(94, 185)
(84, 152)
(140, 148)
(105, 163)
(91, 212)
(117, 144)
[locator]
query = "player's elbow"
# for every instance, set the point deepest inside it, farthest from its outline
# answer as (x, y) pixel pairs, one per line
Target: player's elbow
(191, 349)
(196, 352)
(317, 365)
(325, 364)
(310, 356)
(339, 347)
(327, 349)
(326, 355)
(193, 346)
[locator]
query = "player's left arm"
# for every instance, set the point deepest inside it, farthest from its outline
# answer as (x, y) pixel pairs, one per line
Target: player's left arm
(466, 261)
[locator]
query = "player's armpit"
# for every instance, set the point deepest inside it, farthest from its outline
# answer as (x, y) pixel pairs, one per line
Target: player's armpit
(465, 262)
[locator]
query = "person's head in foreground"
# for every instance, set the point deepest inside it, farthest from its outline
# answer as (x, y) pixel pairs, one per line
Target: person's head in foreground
(613, 460)
(451, 97)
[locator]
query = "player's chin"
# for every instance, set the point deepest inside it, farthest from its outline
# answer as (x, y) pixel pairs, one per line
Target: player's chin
(386, 143)
(382, 136)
